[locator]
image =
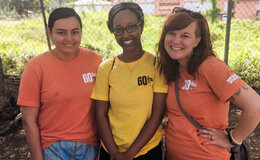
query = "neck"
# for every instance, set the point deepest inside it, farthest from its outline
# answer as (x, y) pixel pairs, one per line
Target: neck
(131, 56)
(65, 56)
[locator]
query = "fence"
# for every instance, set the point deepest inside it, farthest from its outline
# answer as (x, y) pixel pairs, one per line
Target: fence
(23, 36)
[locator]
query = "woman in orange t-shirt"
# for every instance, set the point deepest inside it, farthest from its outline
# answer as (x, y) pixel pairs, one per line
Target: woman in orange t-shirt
(55, 94)
(206, 87)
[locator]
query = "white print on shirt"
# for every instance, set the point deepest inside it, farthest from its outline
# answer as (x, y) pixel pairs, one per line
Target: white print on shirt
(89, 77)
(189, 85)
(232, 78)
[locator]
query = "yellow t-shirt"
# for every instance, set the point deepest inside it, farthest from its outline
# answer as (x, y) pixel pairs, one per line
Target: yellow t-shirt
(131, 98)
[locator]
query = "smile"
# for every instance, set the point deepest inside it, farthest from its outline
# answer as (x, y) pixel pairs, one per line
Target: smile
(175, 48)
(128, 42)
(69, 45)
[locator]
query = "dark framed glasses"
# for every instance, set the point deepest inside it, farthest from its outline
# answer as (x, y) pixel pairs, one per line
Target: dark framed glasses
(193, 14)
(129, 29)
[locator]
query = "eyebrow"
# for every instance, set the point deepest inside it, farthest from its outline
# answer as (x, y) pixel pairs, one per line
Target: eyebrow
(60, 29)
(128, 24)
(187, 33)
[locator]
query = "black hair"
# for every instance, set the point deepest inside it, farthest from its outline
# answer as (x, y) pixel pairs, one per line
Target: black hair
(134, 7)
(62, 12)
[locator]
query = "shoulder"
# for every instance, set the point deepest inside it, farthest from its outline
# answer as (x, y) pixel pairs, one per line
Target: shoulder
(216, 70)
(108, 63)
(41, 58)
(90, 53)
(148, 57)
(212, 64)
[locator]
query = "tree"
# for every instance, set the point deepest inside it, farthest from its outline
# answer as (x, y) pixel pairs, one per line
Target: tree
(24, 5)
(21, 5)
(213, 12)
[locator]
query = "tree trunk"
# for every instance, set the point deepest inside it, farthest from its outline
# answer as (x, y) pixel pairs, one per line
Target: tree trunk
(8, 108)
(2, 83)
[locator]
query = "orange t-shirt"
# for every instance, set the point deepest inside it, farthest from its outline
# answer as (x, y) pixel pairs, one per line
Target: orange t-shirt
(62, 90)
(205, 99)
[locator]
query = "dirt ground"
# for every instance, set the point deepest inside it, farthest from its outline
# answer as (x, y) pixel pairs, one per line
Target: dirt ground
(13, 144)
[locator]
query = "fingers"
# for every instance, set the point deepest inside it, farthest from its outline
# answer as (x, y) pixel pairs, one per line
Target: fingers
(205, 135)
(214, 136)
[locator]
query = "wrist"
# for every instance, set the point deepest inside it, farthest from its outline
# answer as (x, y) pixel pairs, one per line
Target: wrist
(232, 140)
(130, 154)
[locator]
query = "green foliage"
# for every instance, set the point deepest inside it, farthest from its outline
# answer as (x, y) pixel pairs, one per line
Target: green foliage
(21, 5)
(22, 39)
(213, 12)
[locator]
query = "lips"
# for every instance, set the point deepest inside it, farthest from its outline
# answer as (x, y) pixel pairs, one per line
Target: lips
(69, 44)
(175, 48)
(128, 42)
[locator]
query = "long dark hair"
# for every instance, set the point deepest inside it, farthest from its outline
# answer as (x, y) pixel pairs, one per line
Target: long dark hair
(177, 21)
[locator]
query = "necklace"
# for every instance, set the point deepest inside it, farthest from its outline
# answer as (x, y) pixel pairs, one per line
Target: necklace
(133, 65)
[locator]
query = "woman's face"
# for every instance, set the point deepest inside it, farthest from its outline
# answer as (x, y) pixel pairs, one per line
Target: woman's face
(66, 35)
(127, 19)
(179, 44)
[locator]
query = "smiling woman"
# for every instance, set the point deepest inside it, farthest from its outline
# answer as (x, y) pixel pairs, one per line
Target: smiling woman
(55, 94)
(129, 127)
(205, 86)
(66, 36)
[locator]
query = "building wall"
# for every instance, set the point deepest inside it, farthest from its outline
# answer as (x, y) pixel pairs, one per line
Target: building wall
(243, 9)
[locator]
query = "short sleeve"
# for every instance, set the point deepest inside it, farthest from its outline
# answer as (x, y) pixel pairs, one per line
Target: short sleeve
(30, 85)
(101, 85)
(160, 83)
(222, 80)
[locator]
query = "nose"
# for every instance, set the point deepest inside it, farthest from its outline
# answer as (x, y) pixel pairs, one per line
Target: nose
(176, 39)
(69, 37)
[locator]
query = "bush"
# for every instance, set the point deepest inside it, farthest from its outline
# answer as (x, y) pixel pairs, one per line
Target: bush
(23, 39)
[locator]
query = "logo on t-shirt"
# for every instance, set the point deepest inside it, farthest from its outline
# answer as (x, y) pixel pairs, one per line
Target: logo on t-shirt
(189, 85)
(144, 80)
(89, 77)
(232, 78)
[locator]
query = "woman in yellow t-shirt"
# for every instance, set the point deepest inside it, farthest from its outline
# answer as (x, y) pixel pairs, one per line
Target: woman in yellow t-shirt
(129, 127)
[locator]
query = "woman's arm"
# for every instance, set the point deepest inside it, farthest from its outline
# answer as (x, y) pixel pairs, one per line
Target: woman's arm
(249, 101)
(30, 118)
(149, 128)
(101, 111)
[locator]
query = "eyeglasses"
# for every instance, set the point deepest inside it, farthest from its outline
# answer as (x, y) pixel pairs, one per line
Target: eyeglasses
(129, 29)
(193, 14)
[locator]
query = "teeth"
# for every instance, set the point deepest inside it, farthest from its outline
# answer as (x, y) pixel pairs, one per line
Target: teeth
(69, 45)
(128, 42)
(175, 48)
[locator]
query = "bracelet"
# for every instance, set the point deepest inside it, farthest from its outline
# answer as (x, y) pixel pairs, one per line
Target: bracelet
(232, 140)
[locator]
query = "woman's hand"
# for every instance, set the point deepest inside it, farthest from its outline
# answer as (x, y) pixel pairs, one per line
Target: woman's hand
(215, 136)
(121, 156)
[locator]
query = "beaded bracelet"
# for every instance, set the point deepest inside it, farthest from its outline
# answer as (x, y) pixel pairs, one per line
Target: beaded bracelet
(232, 140)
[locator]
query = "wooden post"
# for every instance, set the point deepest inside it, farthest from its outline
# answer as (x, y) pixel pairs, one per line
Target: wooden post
(228, 26)
(45, 24)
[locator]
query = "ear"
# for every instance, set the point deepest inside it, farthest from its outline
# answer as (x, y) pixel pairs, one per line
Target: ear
(142, 27)
(49, 31)
(197, 41)
(49, 34)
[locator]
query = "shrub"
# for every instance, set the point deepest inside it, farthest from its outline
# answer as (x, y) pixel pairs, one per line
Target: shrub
(23, 39)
